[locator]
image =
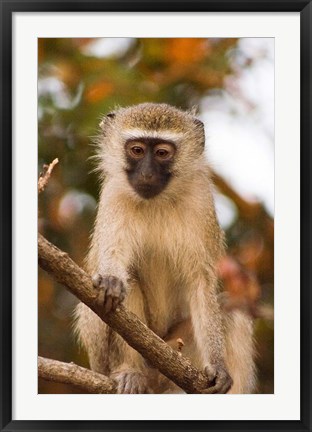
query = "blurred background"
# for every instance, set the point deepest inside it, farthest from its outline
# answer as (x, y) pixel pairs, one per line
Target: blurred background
(231, 82)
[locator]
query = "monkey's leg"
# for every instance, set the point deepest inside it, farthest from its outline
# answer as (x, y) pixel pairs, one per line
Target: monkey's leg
(130, 369)
(92, 333)
(240, 351)
(208, 331)
(239, 357)
(181, 331)
(159, 382)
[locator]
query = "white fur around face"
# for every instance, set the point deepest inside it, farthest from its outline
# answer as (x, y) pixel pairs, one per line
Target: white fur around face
(134, 133)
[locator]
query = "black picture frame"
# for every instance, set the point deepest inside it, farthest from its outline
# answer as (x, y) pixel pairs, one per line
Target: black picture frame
(7, 9)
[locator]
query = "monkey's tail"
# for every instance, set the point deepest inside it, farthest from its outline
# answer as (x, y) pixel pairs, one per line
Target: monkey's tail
(240, 352)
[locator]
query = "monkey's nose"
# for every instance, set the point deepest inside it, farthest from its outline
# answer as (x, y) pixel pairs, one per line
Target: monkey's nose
(146, 175)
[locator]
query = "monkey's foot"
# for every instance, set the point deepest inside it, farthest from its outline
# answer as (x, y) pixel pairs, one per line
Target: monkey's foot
(111, 291)
(218, 378)
(131, 382)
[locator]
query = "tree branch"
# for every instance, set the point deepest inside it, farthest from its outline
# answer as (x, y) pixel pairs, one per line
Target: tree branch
(70, 373)
(159, 354)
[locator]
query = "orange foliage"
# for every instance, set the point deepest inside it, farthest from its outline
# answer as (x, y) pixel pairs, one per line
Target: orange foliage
(186, 50)
(98, 91)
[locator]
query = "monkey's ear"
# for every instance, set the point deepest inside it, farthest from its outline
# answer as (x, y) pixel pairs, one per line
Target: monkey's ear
(106, 119)
(201, 128)
(199, 123)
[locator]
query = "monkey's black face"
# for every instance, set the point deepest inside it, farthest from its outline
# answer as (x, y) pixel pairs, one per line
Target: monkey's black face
(149, 161)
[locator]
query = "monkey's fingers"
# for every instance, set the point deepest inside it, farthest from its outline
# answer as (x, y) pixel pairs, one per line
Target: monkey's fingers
(112, 291)
(222, 380)
(96, 280)
(211, 372)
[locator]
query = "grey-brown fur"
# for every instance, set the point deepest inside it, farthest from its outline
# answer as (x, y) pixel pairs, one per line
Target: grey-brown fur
(164, 252)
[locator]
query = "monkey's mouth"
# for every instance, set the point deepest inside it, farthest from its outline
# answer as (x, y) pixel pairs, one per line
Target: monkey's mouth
(148, 190)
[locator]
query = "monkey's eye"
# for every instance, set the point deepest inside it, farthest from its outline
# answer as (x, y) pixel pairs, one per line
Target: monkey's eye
(137, 151)
(164, 151)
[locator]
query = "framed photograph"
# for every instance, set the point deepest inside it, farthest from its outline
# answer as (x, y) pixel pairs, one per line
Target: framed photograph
(138, 139)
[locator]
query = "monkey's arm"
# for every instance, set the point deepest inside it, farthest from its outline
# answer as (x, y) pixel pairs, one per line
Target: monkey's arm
(207, 323)
(108, 261)
(108, 258)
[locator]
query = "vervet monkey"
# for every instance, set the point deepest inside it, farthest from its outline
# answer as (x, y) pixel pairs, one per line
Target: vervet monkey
(155, 247)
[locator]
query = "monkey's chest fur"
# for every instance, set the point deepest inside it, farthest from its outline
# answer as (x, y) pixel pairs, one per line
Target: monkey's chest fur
(163, 294)
(164, 269)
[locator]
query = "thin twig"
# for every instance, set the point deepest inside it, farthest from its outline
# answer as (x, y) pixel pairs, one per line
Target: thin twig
(45, 175)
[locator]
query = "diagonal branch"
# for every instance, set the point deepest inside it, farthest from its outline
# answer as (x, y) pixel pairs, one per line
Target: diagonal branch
(160, 355)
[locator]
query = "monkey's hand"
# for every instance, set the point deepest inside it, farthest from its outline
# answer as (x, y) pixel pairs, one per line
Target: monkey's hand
(131, 381)
(111, 291)
(219, 379)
